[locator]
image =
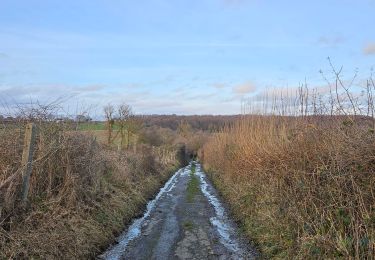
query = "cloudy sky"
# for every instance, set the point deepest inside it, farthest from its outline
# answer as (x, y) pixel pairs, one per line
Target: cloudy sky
(176, 56)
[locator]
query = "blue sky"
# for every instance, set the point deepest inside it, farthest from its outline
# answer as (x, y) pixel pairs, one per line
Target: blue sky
(176, 56)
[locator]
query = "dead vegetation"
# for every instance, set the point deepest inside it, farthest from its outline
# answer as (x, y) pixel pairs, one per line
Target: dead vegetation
(300, 177)
(82, 192)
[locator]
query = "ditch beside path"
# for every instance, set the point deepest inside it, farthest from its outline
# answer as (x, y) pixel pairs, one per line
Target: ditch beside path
(186, 220)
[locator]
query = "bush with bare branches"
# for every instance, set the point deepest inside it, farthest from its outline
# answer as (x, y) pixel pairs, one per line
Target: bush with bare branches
(81, 192)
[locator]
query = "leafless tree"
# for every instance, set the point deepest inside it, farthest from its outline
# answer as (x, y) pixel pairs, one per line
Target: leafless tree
(109, 111)
(123, 120)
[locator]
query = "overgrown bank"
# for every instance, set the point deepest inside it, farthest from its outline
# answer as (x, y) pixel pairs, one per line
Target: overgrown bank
(302, 187)
(82, 192)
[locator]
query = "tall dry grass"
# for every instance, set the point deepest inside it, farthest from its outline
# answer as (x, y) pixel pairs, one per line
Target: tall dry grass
(81, 191)
(302, 184)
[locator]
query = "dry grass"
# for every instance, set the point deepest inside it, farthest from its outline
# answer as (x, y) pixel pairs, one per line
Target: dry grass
(301, 178)
(302, 188)
(81, 193)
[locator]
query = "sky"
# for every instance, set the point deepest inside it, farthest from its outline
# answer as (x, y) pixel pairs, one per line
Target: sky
(176, 56)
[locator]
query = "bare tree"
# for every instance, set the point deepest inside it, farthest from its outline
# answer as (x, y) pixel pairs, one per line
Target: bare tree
(370, 87)
(123, 120)
(109, 111)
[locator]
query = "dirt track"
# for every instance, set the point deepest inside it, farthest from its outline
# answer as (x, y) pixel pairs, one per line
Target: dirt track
(186, 220)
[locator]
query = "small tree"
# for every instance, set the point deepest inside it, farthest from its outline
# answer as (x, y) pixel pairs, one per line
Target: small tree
(124, 115)
(109, 111)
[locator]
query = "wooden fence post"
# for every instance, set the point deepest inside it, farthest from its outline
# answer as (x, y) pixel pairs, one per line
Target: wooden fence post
(27, 158)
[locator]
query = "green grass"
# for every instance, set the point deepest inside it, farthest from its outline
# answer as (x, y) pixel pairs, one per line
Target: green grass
(192, 187)
(188, 225)
(193, 166)
(99, 130)
(93, 126)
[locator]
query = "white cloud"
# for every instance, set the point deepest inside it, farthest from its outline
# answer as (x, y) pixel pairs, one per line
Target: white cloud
(92, 98)
(369, 49)
(219, 85)
(92, 88)
(3, 56)
(331, 41)
(245, 88)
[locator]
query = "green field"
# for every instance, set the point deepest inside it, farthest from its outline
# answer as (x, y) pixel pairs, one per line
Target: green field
(92, 126)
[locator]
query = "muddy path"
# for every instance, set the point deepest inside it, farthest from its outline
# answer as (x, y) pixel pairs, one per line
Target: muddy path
(186, 220)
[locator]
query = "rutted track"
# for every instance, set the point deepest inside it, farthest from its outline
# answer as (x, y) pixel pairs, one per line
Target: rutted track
(174, 227)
